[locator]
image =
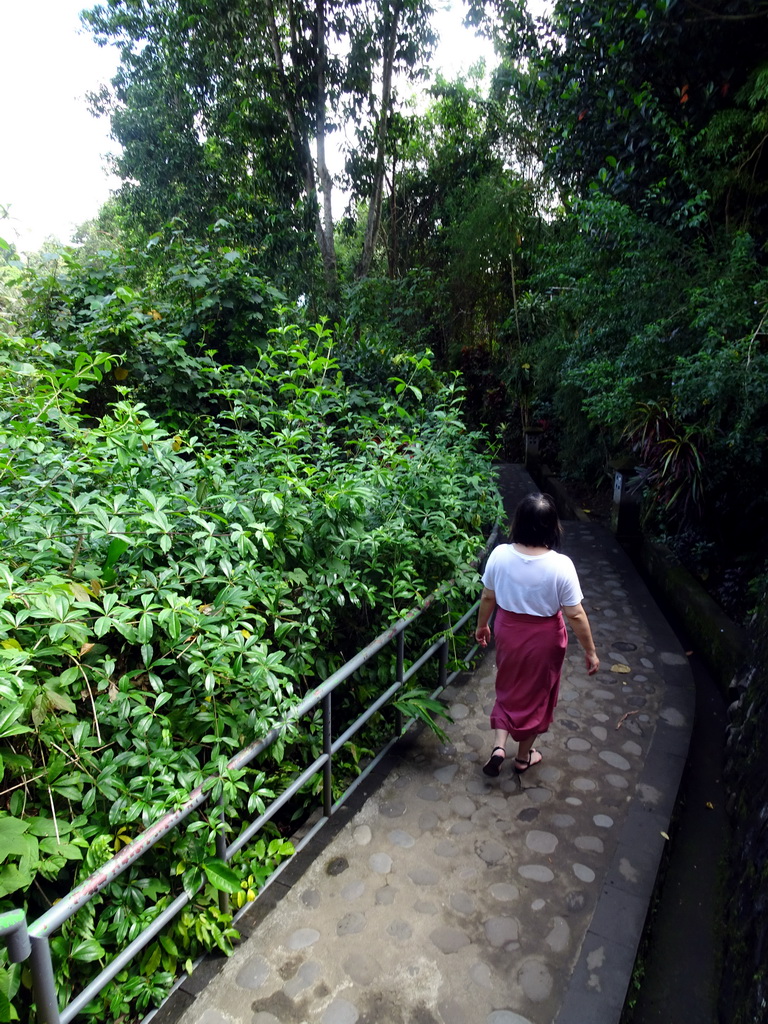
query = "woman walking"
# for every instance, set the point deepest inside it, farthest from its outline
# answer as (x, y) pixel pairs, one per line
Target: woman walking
(530, 585)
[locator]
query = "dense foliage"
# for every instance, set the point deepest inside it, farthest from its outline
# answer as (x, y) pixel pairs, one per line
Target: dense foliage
(173, 581)
(640, 303)
(212, 497)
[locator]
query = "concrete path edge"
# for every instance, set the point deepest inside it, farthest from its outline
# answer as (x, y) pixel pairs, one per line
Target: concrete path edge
(616, 930)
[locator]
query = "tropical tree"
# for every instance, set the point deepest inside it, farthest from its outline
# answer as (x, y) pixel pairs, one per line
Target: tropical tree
(457, 207)
(624, 95)
(230, 108)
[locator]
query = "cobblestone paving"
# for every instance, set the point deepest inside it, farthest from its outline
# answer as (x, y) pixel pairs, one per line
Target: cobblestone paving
(451, 898)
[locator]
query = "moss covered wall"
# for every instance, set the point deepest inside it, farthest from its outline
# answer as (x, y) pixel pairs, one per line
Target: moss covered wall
(744, 986)
(738, 660)
(719, 641)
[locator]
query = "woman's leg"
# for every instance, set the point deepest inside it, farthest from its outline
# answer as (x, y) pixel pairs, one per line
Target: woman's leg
(500, 737)
(493, 765)
(524, 748)
(526, 757)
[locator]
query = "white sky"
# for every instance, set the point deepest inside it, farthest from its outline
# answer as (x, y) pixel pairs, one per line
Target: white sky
(52, 151)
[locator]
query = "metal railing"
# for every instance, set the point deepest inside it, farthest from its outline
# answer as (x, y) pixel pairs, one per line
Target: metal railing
(32, 941)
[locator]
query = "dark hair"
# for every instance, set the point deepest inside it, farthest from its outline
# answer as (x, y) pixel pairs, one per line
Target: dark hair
(536, 522)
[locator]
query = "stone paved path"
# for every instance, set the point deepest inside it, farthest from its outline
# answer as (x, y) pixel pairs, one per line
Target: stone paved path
(450, 898)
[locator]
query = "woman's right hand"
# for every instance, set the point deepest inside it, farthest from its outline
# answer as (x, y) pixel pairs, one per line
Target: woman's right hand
(577, 617)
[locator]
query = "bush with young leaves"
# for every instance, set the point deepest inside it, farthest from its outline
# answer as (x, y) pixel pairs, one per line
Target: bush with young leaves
(166, 597)
(172, 311)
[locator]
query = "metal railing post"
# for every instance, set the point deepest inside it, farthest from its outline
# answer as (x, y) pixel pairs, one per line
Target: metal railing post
(13, 928)
(399, 674)
(221, 847)
(442, 674)
(43, 982)
(328, 751)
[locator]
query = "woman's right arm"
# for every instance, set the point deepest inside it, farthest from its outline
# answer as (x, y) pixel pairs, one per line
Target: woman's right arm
(579, 622)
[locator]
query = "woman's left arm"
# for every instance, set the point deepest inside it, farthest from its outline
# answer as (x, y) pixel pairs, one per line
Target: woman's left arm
(484, 612)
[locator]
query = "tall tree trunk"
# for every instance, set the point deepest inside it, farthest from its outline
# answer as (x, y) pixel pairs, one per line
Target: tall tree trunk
(392, 242)
(328, 246)
(374, 206)
(323, 231)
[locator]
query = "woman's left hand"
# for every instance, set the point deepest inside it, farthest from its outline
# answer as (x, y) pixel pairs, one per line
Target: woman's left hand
(483, 635)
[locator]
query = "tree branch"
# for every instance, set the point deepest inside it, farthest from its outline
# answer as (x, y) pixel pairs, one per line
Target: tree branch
(710, 15)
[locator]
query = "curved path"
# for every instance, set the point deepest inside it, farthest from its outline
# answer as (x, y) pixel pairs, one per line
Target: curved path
(440, 896)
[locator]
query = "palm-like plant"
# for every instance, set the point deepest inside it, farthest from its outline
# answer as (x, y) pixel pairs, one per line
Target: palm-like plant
(671, 470)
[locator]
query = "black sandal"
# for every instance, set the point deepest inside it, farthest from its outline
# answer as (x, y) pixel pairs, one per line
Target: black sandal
(493, 765)
(522, 765)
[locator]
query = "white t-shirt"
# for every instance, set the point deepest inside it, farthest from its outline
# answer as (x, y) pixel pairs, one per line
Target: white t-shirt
(531, 584)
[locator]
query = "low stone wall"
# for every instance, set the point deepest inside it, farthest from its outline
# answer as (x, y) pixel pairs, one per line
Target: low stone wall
(738, 661)
(720, 642)
(744, 982)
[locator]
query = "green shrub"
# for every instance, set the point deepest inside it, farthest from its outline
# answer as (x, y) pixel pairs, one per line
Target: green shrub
(167, 595)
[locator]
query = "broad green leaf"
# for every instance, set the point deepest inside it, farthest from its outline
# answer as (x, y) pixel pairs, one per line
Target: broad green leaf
(79, 593)
(117, 547)
(12, 879)
(44, 827)
(9, 725)
(153, 961)
(168, 945)
(221, 876)
(13, 838)
(146, 628)
(88, 950)
(60, 701)
(53, 847)
(7, 1012)
(192, 880)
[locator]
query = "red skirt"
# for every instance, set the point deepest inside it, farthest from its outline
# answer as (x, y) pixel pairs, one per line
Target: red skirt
(530, 651)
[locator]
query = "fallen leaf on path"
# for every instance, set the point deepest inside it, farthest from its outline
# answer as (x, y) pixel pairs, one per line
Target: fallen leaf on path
(620, 668)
